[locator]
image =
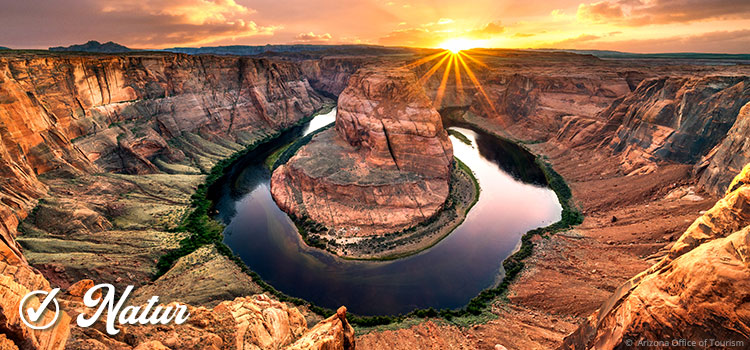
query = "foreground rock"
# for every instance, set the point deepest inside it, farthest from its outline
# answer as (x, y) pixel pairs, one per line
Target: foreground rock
(698, 291)
(246, 323)
(385, 167)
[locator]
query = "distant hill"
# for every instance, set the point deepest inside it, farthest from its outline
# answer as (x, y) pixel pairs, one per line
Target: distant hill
(674, 55)
(247, 50)
(4, 48)
(94, 46)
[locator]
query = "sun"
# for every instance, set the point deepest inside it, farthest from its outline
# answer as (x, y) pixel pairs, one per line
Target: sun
(458, 44)
(454, 58)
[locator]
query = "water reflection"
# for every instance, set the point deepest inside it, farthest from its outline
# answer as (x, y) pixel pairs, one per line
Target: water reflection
(446, 276)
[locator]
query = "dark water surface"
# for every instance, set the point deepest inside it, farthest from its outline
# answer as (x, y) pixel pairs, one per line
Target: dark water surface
(447, 275)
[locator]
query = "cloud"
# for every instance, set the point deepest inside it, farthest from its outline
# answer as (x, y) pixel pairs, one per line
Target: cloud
(189, 11)
(440, 22)
(488, 31)
(428, 35)
(602, 11)
(410, 36)
(311, 37)
(736, 41)
(574, 41)
(137, 24)
(639, 13)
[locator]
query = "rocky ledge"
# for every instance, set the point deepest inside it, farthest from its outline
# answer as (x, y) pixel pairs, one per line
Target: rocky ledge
(697, 292)
(385, 167)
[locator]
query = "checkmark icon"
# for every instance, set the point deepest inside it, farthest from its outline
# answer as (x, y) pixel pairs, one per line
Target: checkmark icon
(31, 316)
(34, 315)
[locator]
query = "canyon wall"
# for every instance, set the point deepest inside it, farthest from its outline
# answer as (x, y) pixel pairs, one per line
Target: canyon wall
(675, 119)
(109, 139)
(385, 166)
(535, 105)
(245, 323)
(89, 131)
(697, 291)
(643, 113)
(134, 114)
(331, 74)
(697, 120)
(728, 157)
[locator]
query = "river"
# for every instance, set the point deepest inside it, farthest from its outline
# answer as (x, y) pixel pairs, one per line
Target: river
(513, 200)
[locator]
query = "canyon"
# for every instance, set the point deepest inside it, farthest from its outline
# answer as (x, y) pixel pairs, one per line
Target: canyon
(116, 145)
(100, 155)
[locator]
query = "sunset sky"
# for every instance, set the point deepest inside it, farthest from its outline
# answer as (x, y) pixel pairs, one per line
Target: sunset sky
(624, 25)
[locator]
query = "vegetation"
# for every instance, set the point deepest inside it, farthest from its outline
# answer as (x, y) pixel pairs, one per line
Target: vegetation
(289, 151)
(461, 137)
(205, 230)
(271, 160)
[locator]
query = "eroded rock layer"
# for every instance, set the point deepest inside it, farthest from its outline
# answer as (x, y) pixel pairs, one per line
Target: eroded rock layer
(385, 166)
(698, 291)
(674, 119)
(90, 131)
(728, 157)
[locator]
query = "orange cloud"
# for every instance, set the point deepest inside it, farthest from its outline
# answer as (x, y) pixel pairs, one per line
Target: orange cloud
(602, 11)
(638, 13)
(425, 37)
(490, 30)
(313, 38)
(139, 24)
(189, 11)
(718, 42)
(410, 37)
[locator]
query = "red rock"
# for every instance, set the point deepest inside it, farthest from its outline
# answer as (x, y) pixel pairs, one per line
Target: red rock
(698, 291)
(385, 166)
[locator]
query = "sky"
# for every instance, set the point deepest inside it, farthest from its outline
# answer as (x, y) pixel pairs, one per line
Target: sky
(721, 26)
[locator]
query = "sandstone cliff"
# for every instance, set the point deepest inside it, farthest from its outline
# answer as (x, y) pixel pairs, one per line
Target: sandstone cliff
(676, 119)
(75, 127)
(385, 166)
(727, 158)
(691, 120)
(697, 291)
(134, 114)
(331, 74)
(533, 105)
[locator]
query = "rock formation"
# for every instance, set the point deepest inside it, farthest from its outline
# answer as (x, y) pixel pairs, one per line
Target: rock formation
(247, 323)
(331, 74)
(690, 120)
(71, 118)
(698, 291)
(127, 114)
(385, 166)
(17, 279)
(727, 158)
(674, 119)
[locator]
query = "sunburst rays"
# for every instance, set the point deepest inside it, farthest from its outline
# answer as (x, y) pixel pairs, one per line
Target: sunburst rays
(456, 63)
